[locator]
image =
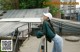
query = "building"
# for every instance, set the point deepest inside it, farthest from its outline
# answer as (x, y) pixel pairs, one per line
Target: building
(70, 9)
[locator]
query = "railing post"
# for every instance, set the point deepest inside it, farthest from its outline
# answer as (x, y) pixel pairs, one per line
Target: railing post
(16, 45)
(60, 28)
(42, 49)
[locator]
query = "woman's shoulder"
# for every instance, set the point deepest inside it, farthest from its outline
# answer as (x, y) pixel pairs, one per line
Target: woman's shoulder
(45, 22)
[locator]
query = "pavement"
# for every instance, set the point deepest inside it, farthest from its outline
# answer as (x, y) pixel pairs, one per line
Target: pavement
(33, 45)
(71, 46)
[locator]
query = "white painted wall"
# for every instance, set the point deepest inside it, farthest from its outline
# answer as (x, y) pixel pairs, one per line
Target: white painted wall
(77, 6)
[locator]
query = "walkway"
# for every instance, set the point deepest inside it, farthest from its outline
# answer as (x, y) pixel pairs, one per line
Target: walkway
(33, 44)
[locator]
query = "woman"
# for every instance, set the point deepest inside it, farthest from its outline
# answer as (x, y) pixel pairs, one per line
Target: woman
(49, 32)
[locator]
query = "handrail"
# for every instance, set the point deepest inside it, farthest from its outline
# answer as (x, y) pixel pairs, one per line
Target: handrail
(63, 26)
(17, 39)
(15, 46)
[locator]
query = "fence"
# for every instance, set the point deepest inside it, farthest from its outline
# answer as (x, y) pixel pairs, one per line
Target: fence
(64, 27)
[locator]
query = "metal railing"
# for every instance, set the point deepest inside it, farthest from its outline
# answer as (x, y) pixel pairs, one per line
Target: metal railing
(61, 27)
(65, 27)
(16, 45)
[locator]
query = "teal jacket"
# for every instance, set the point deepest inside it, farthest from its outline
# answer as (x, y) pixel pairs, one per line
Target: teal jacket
(47, 30)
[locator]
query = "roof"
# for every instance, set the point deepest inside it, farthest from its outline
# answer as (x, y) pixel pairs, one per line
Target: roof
(23, 13)
(8, 27)
(33, 20)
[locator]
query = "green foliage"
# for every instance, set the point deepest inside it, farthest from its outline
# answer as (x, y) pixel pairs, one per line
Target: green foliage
(22, 4)
(27, 4)
(54, 10)
(31, 4)
(6, 4)
(61, 11)
(38, 4)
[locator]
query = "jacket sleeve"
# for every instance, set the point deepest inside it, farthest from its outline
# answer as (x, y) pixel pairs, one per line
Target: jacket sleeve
(44, 28)
(41, 32)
